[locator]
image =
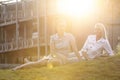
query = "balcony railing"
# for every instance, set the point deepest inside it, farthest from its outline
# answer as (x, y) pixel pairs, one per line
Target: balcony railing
(22, 44)
(26, 10)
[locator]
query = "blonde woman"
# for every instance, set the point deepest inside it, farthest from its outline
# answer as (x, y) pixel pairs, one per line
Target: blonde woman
(95, 44)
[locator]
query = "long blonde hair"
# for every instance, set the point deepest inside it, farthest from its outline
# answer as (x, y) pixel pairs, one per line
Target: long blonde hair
(102, 28)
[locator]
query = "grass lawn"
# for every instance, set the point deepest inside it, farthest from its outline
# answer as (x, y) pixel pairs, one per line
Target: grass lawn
(106, 68)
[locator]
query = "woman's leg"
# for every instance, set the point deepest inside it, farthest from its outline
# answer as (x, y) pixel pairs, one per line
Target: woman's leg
(85, 55)
(31, 63)
(53, 62)
(61, 58)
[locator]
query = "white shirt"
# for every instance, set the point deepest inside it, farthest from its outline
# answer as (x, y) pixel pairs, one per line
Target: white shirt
(62, 45)
(95, 48)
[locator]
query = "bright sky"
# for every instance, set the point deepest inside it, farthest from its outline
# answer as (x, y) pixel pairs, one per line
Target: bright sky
(76, 7)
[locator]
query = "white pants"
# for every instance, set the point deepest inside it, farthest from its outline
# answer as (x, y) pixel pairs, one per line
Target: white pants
(91, 54)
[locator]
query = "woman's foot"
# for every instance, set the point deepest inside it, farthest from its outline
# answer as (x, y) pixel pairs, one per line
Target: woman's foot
(14, 69)
(26, 60)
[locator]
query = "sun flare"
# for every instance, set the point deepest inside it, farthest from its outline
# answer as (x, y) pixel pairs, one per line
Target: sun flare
(76, 7)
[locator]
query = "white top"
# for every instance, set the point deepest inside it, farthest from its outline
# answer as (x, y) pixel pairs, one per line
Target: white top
(95, 48)
(62, 45)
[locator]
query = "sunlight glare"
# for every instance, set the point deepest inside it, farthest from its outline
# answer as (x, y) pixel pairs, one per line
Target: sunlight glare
(49, 65)
(76, 7)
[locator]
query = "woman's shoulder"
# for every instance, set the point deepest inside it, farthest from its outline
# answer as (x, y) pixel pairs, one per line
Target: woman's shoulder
(54, 36)
(91, 36)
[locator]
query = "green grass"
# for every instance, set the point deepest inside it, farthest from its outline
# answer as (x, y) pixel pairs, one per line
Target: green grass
(106, 68)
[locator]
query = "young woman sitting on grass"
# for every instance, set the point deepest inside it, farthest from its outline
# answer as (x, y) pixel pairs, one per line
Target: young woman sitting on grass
(63, 48)
(95, 44)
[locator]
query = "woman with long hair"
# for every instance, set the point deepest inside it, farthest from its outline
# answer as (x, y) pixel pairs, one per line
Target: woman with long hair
(96, 43)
